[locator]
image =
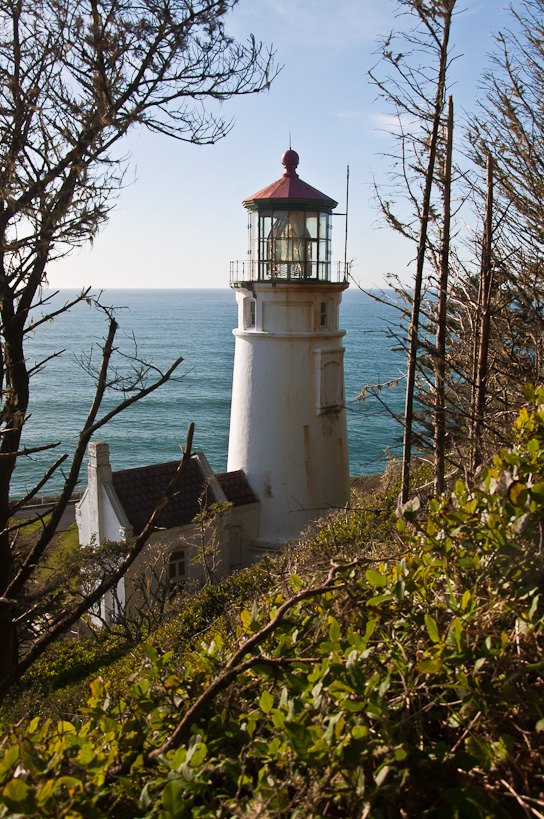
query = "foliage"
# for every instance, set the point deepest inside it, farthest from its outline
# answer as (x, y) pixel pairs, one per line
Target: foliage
(405, 686)
(58, 683)
(208, 521)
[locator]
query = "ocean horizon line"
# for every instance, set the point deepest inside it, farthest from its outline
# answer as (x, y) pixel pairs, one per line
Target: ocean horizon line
(50, 288)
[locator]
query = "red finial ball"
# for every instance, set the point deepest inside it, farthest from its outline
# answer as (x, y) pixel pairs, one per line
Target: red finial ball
(290, 160)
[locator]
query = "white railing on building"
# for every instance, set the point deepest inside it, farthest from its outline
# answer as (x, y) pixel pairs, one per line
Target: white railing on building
(251, 270)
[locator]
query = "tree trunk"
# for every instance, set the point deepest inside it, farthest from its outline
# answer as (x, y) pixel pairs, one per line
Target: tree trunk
(483, 324)
(16, 396)
(421, 249)
(440, 360)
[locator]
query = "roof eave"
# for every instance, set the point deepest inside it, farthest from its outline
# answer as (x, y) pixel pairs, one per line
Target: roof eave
(271, 203)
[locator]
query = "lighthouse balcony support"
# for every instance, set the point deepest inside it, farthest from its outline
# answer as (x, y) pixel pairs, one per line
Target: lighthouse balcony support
(252, 270)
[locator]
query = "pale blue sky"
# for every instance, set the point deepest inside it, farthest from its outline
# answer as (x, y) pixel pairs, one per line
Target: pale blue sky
(180, 220)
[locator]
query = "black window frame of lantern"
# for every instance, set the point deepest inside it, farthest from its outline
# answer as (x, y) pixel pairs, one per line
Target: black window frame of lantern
(291, 257)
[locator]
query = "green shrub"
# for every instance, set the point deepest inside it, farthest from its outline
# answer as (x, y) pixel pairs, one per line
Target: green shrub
(58, 682)
(405, 685)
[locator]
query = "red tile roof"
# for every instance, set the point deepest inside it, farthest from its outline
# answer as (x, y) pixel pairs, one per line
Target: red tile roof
(290, 186)
(140, 489)
(236, 488)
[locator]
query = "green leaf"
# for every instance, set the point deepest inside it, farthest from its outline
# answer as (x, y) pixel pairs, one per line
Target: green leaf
(64, 727)
(300, 738)
(356, 677)
(335, 632)
(429, 666)
(470, 506)
(196, 751)
(70, 782)
(266, 702)
(146, 798)
(381, 598)
(381, 775)
(296, 582)
(432, 628)
(18, 797)
(375, 578)
(517, 493)
(150, 652)
(172, 801)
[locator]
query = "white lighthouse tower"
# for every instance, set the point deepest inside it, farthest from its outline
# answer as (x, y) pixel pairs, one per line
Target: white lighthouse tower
(288, 424)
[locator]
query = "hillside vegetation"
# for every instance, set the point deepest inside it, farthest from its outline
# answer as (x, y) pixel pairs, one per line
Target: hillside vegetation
(389, 667)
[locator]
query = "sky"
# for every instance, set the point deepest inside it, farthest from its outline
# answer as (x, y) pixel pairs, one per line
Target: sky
(179, 221)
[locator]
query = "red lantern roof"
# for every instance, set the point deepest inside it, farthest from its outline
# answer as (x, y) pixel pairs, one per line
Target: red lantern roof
(290, 187)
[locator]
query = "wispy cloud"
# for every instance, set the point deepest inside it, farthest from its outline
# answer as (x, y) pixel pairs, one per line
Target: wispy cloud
(391, 123)
(350, 114)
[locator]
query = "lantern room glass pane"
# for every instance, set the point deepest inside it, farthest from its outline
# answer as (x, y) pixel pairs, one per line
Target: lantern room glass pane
(311, 225)
(279, 223)
(266, 226)
(292, 244)
(296, 224)
(253, 225)
(282, 250)
(323, 251)
(323, 225)
(298, 250)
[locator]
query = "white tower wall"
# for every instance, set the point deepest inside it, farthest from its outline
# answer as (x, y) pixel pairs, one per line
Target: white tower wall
(288, 424)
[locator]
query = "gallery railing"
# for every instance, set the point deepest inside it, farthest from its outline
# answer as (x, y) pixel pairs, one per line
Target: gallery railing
(252, 270)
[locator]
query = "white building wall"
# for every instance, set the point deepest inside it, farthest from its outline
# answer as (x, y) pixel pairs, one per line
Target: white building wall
(100, 517)
(288, 425)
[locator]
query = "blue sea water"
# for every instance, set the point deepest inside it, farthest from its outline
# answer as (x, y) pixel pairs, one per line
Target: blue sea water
(159, 326)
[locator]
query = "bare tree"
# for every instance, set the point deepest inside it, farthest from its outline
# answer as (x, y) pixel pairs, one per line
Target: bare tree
(508, 125)
(441, 314)
(417, 93)
(75, 78)
(483, 319)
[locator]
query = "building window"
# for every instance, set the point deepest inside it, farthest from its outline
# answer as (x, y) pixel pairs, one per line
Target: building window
(249, 314)
(323, 314)
(176, 571)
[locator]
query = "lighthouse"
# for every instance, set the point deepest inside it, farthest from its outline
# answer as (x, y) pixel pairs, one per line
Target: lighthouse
(288, 423)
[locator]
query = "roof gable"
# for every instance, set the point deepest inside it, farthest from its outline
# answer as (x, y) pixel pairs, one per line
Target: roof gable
(140, 489)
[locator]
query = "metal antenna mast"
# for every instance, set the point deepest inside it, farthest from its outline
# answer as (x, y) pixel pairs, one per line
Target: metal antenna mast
(346, 236)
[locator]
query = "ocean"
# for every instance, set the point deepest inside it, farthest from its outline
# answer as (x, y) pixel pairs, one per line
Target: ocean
(159, 326)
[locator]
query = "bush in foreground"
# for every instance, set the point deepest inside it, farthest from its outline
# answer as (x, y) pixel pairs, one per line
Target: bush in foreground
(410, 686)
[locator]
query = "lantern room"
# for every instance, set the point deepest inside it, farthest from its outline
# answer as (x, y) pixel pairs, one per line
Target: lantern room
(289, 231)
